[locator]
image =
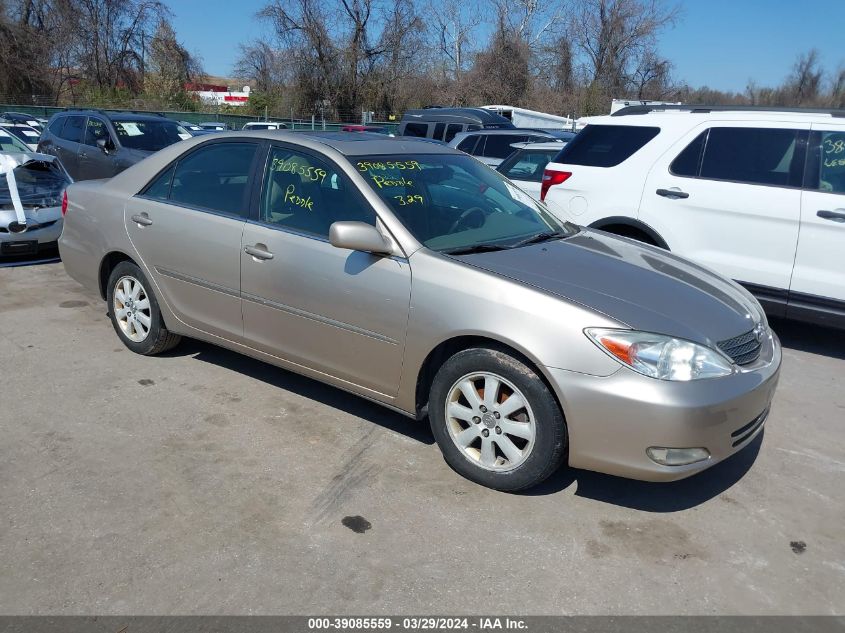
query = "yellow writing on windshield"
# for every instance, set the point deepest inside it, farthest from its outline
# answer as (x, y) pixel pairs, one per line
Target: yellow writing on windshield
(382, 182)
(406, 200)
(390, 164)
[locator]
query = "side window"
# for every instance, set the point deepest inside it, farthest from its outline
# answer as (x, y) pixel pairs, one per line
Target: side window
(451, 130)
(752, 155)
(56, 126)
(303, 193)
(689, 160)
(826, 163)
(439, 128)
(159, 188)
(527, 165)
(73, 129)
(416, 129)
(215, 178)
(468, 144)
(499, 145)
(94, 131)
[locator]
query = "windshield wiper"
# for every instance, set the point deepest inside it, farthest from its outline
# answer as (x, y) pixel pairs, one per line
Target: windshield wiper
(476, 248)
(545, 236)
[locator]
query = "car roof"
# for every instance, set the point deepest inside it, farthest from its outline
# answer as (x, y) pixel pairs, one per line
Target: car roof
(119, 116)
(508, 131)
(688, 116)
(352, 143)
(456, 115)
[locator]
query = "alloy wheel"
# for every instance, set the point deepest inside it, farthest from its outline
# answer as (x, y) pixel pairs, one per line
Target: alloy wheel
(490, 421)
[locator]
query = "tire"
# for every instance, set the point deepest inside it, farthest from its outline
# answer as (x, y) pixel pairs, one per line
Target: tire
(471, 430)
(138, 322)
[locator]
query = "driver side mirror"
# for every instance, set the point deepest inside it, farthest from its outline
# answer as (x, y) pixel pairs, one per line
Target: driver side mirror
(359, 236)
(104, 144)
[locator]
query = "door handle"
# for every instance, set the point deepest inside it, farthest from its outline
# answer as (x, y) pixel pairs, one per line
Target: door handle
(141, 219)
(672, 193)
(834, 216)
(258, 252)
(83, 155)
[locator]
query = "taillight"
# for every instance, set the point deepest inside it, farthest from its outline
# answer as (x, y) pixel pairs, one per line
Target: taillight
(552, 177)
(64, 203)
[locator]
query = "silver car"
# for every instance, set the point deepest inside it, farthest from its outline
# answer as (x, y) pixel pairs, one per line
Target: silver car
(40, 182)
(412, 275)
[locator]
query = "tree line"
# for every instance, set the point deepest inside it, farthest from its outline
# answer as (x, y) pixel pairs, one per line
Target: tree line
(339, 58)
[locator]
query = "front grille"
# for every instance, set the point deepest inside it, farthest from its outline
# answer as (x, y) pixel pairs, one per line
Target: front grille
(742, 349)
(743, 433)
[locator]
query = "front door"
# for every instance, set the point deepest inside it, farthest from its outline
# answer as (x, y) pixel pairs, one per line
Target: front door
(340, 312)
(729, 197)
(819, 278)
(93, 161)
(187, 226)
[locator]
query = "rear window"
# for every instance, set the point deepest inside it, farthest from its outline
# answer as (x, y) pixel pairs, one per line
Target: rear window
(526, 164)
(606, 145)
(416, 129)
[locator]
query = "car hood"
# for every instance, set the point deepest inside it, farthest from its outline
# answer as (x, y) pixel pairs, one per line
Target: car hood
(646, 288)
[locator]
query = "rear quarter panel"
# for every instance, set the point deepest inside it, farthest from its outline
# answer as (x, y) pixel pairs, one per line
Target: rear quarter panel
(93, 227)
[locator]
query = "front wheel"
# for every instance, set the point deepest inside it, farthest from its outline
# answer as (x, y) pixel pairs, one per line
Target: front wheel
(134, 312)
(495, 420)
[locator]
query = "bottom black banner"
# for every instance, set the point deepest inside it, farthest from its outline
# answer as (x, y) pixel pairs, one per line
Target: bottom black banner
(486, 624)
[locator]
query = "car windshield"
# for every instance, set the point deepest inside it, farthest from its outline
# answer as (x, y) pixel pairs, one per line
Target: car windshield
(149, 136)
(453, 203)
(9, 143)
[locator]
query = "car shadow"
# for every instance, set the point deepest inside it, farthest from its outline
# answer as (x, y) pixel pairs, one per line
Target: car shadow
(810, 338)
(305, 387)
(638, 495)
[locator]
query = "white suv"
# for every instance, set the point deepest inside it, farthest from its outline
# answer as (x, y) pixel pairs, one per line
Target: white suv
(757, 195)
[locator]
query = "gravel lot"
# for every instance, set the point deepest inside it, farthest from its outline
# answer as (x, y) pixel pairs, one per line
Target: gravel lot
(206, 482)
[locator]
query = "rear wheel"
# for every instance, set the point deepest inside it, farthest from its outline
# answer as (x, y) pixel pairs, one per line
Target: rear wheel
(495, 420)
(135, 313)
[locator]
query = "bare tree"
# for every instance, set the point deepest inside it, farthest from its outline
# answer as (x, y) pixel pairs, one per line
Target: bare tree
(110, 39)
(260, 64)
(803, 86)
(170, 68)
(616, 36)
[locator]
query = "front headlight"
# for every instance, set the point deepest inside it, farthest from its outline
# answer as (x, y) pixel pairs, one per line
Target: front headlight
(660, 356)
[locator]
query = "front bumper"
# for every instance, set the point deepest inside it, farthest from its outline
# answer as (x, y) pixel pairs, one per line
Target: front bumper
(613, 420)
(44, 229)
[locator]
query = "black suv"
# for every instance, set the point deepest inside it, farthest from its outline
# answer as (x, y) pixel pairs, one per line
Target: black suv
(97, 144)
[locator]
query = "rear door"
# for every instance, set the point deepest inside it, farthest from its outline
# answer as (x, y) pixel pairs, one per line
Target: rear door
(729, 197)
(818, 283)
(187, 226)
(67, 144)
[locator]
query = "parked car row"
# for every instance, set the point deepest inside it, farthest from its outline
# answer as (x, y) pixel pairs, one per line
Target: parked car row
(344, 257)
